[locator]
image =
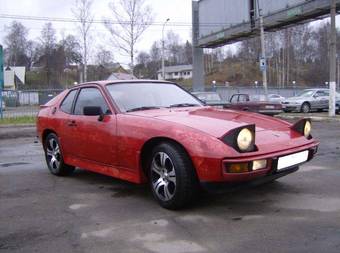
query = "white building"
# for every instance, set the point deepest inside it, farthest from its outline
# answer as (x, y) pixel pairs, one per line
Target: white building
(176, 72)
(14, 76)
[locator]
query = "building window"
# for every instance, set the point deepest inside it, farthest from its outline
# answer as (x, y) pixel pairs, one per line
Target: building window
(176, 73)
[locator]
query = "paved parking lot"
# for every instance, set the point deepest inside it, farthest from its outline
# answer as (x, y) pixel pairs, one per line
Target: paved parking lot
(92, 213)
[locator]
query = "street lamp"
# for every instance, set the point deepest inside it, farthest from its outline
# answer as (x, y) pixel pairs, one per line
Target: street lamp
(163, 68)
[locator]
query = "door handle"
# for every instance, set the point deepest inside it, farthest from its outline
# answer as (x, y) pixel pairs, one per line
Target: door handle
(72, 123)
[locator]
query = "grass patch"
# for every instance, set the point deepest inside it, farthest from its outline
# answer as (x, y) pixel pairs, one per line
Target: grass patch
(18, 120)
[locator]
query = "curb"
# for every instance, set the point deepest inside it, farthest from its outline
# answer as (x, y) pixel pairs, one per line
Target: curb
(17, 125)
(17, 131)
(313, 118)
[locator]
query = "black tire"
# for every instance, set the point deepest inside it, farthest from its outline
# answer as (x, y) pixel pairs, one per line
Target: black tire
(305, 107)
(183, 188)
(54, 157)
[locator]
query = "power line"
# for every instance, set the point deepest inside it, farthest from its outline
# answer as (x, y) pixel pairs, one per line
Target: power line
(73, 20)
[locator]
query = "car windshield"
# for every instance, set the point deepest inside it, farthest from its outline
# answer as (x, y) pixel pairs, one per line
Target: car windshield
(209, 96)
(258, 98)
(149, 95)
(306, 93)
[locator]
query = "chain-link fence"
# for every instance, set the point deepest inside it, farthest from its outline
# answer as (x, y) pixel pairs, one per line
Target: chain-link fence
(227, 92)
(20, 103)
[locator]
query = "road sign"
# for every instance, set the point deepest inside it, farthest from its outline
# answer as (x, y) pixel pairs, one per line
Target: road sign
(222, 22)
(263, 64)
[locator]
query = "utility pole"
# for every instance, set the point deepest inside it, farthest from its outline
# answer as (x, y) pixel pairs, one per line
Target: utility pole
(263, 60)
(1, 80)
(332, 74)
(163, 54)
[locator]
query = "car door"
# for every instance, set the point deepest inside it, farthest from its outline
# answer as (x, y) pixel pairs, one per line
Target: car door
(65, 133)
(93, 139)
(321, 99)
(324, 100)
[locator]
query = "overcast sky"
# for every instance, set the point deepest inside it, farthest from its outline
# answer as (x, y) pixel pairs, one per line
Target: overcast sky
(176, 10)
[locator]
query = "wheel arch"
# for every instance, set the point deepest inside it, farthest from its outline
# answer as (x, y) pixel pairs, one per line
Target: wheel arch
(153, 142)
(308, 103)
(45, 133)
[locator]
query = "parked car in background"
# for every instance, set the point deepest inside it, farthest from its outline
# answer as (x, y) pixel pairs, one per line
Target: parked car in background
(337, 106)
(147, 131)
(254, 103)
(211, 98)
(307, 100)
(275, 98)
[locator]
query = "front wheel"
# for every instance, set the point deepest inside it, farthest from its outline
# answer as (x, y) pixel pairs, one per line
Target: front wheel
(54, 158)
(305, 108)
(172, 176)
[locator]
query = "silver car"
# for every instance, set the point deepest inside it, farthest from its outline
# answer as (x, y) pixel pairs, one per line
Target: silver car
(307, 101)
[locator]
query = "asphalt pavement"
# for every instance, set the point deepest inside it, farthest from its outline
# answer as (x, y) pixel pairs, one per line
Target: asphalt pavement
(88, 212)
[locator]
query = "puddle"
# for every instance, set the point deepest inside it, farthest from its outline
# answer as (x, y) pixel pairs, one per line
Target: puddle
(6, 165)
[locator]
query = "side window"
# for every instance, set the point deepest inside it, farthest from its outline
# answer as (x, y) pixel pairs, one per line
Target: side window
(66, 105)
(90, 97)
(243, 98)
(322, 93)
(234, 99)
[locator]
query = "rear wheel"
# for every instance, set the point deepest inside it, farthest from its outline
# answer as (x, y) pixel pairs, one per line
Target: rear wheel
(54, 158)
(305, 108)
(172, 177)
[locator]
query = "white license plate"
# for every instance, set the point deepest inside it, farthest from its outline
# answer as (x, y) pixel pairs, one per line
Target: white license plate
(270, 107)
(291, 160)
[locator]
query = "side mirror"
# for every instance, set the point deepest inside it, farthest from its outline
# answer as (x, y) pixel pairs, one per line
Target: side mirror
(315, 96)
(94, 111)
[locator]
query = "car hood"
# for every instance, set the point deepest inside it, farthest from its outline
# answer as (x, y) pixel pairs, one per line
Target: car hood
(295, 99)
(215, 122)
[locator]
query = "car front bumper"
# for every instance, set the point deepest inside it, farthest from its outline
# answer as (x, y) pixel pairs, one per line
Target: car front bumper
(219, 171)
(270, 112)
(291, 107)
(222, 187)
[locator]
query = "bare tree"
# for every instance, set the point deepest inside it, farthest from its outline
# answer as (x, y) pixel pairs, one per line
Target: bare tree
(16, 42)
(132, 17)
(104, 57)
(48, 43)
(83, 14)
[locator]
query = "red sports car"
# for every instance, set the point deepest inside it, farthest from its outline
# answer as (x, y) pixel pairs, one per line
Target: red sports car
(156, 132)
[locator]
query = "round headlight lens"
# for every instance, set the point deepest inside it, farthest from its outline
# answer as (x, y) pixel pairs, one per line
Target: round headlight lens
(307, 129)
(244, 139)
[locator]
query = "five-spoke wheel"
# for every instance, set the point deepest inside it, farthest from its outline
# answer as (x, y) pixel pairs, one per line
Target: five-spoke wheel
(163, 176)
(172, 177)
(54, 158)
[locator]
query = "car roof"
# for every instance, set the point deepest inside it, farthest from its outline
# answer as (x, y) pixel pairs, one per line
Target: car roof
(106, 82)
(204, 92)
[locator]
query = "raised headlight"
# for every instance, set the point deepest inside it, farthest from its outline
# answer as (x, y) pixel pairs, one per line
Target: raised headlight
(245, 139)
(307, 129)
(242, 139)
(303, 127)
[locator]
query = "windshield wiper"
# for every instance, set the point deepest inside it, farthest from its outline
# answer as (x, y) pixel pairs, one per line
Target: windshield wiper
(183, 105)
(142, 108)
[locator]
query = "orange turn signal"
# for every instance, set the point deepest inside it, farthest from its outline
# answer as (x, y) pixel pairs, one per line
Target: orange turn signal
(238, 167)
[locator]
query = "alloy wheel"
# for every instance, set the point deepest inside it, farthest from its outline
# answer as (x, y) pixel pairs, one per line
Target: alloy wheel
(53, 154)
(163, 176)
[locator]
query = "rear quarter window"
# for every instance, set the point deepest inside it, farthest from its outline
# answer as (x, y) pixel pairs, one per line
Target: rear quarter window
(66, 105)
